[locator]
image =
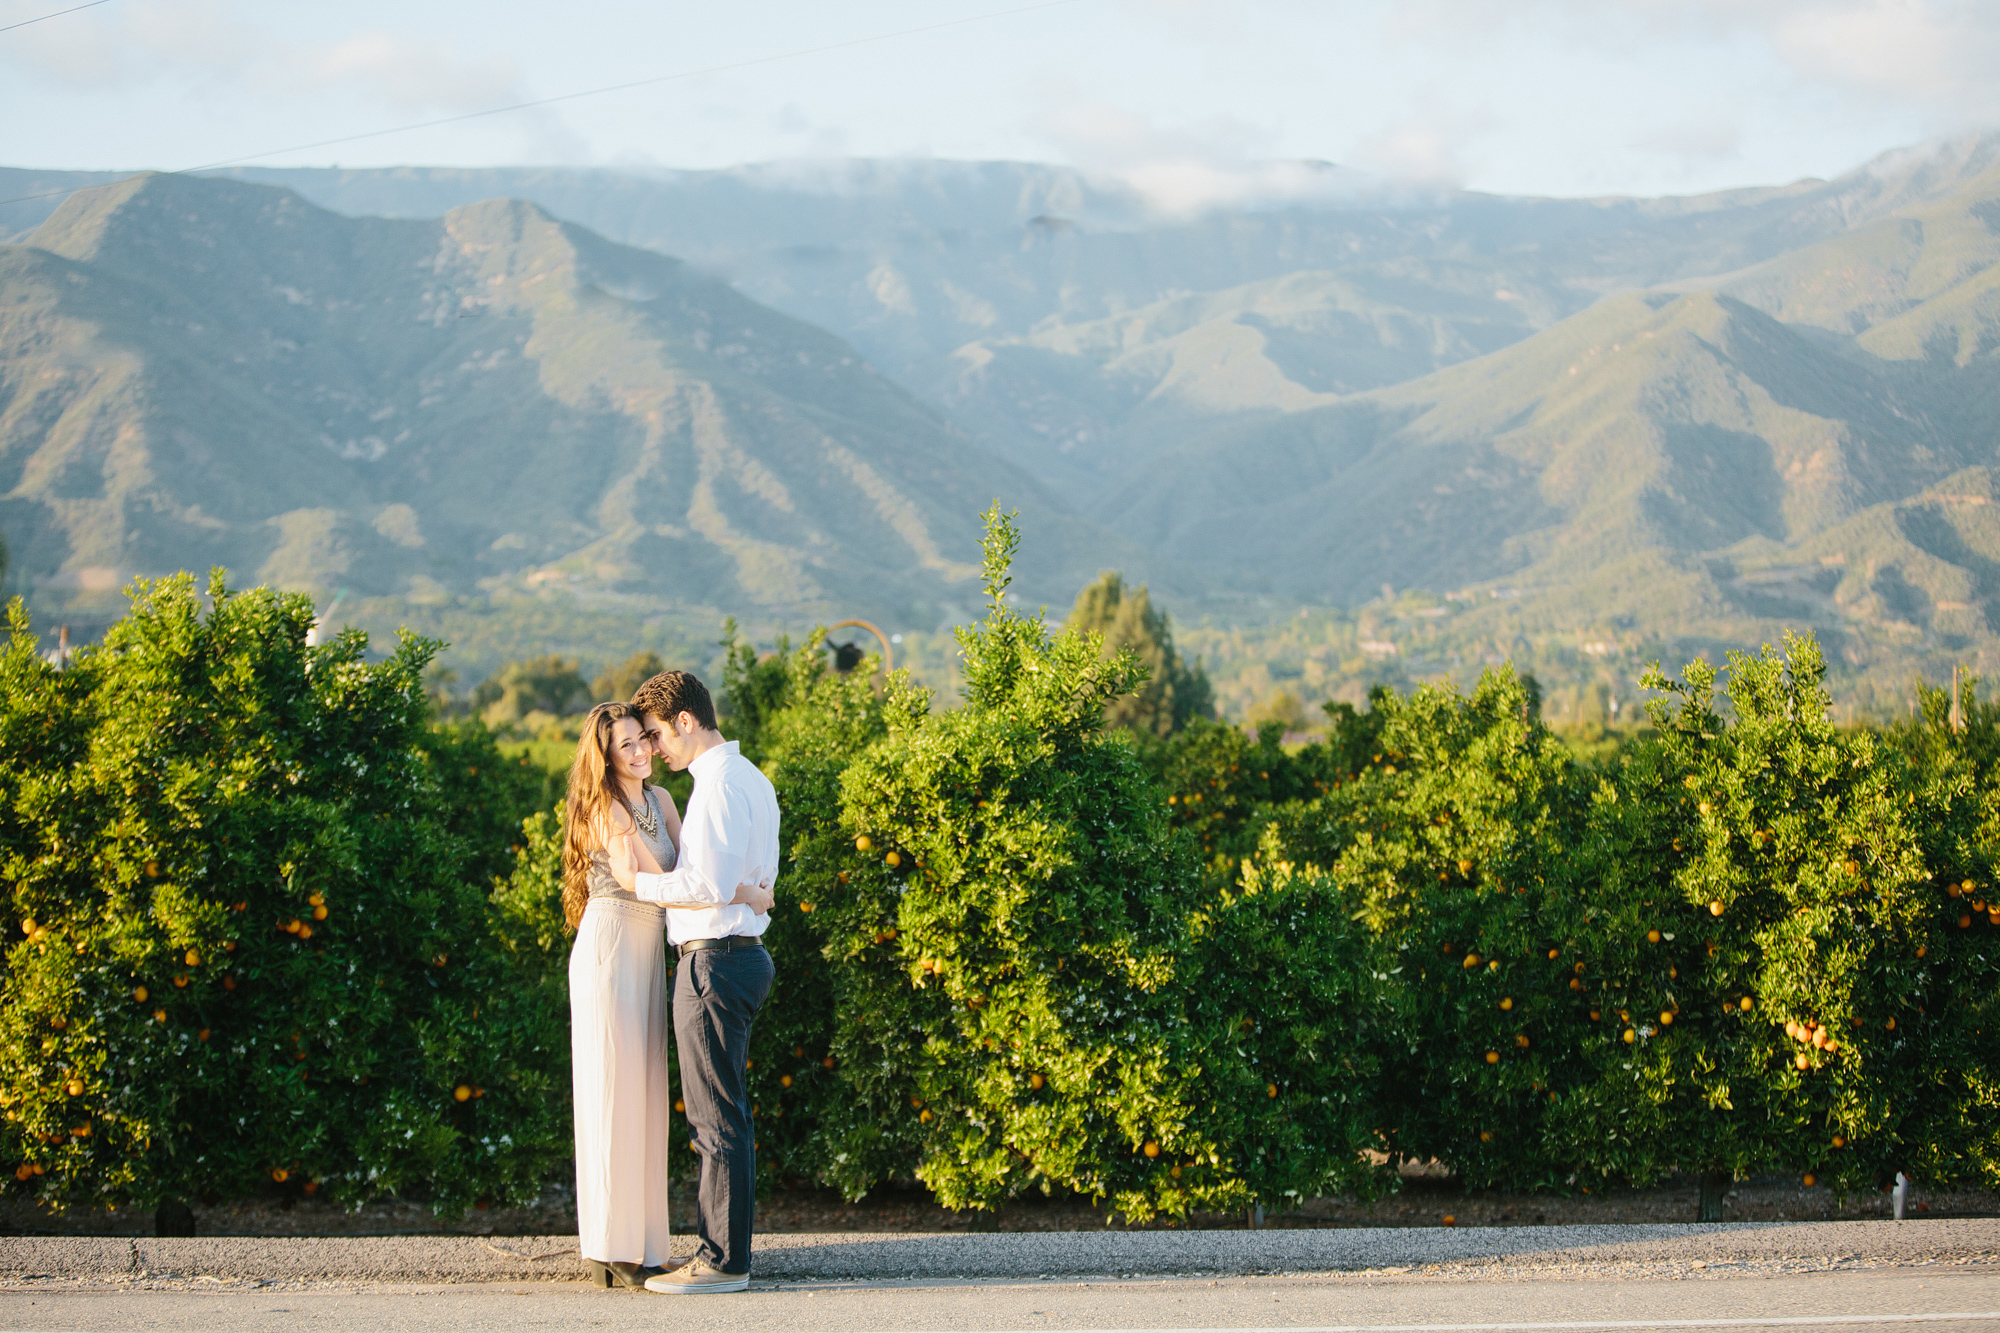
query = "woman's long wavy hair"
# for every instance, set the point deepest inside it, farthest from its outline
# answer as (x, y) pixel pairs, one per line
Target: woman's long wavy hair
(593, 790)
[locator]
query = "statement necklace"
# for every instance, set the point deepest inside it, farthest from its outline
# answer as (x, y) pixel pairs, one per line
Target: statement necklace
(648, 821)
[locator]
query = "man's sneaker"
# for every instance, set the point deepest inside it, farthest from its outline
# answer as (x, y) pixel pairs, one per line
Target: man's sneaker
(697, 1278)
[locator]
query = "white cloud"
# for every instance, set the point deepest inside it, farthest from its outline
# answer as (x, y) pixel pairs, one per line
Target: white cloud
(1189, 168)
(209, 46)
(1936, 55)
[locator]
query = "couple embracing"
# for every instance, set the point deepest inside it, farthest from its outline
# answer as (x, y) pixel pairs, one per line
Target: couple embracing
(634, 870)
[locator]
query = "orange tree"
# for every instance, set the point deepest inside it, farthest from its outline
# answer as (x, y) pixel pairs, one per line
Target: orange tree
(1783, 963)
(1031, 988)
(805, 723)
(246, 950)
(1453, 845)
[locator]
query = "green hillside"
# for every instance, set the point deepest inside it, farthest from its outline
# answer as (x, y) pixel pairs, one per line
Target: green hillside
(493, 405)
(1808, 442)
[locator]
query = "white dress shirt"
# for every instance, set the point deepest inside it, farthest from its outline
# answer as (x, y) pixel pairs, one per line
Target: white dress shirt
(729, 836)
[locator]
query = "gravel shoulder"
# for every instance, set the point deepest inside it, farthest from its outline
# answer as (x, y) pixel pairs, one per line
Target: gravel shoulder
(1406, 1253)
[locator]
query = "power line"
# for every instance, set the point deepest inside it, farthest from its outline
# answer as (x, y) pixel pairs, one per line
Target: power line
(589, 92)
(58, 14)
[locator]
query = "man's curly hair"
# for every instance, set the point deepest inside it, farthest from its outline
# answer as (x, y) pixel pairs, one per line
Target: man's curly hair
(672, 693)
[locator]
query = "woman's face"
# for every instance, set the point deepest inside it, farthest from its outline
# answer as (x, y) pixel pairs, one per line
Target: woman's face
(631, 752)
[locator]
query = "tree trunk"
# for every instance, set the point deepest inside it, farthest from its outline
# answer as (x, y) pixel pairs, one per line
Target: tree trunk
(1714, 1185)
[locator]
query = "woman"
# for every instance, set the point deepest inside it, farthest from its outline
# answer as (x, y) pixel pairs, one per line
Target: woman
(620, 1023)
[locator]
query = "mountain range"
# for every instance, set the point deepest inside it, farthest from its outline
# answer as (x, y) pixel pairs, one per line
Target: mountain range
(1625, 426)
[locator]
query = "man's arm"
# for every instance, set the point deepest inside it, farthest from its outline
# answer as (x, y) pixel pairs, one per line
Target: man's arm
(624, 853)
(715, 852)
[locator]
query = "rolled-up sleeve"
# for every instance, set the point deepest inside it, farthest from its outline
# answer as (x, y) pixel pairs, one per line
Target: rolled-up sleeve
(715, 848)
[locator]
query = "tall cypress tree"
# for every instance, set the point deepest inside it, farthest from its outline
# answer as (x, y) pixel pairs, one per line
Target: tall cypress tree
(1174, 693)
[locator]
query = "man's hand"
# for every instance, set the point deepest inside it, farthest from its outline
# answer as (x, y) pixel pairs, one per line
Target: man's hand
(757, 897)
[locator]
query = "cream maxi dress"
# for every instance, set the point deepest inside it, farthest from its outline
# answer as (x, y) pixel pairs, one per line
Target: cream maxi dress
(620, 1025)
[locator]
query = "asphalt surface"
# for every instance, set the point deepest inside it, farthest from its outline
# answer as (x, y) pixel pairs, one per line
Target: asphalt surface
(1850, 1301)
(1818, 1276)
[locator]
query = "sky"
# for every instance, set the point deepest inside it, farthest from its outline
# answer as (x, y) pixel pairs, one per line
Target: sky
(1191, 101)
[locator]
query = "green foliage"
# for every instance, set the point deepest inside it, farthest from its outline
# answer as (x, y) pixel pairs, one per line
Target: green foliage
(623, 681)
(1449, 843)
(550, 685)
(1172, 693)
(1773, 908)
(1031, 987)
(250, 945)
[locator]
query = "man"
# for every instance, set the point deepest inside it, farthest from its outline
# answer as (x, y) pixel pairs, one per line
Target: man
(729, 836)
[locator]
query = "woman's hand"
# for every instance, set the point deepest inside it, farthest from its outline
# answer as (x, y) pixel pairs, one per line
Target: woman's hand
(757, 897)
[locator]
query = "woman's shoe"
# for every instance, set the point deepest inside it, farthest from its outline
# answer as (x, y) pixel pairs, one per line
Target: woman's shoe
(618, 1274)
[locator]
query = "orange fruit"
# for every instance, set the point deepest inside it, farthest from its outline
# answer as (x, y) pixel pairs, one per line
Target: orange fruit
(828, 1062)
(862, 844)
(139, 994)
(1493, 1057)
(229, 983)
(1715, 908)
(680, 1106)
(894, 859)
(1521, 1040)
(279, 1174)
(1554, 954)
(1889, 1026)
(1704, 807)
(1448, 1220)
(1036, 1081)
(1576, 983)
(805, 907)
(798, 1051)
(315, 900)
(1151, 1149)
(1486, 1136)
(1471, 960)
(193, 958)
(461, 1093)
(152, 870)
(924, 1116)
(785, 1080)
(181, 982)
(1746, 1004)
(1652, 937)
(1802, 1060)
(201, 1035)
(1666, 1018)
(1809, 1181)
(305, 932)
(159, 1015)
(1921, 951)
(1465, 867)
(310, 1187)
(1493, 966)
(1839, 1142)
(1596, 1014)
(319, 914)
(1630, 1036)
(1507, 1002)
(75, 1088)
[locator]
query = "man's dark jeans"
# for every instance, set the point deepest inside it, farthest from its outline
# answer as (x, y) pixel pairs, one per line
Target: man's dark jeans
(717, 992)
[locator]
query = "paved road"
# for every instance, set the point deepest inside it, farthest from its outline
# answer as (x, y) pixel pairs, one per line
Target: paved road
(1944, 1297)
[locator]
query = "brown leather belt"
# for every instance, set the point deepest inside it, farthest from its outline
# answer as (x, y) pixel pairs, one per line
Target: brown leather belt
(731, 942)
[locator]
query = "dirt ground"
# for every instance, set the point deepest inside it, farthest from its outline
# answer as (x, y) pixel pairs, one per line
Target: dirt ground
(1426, 1199)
